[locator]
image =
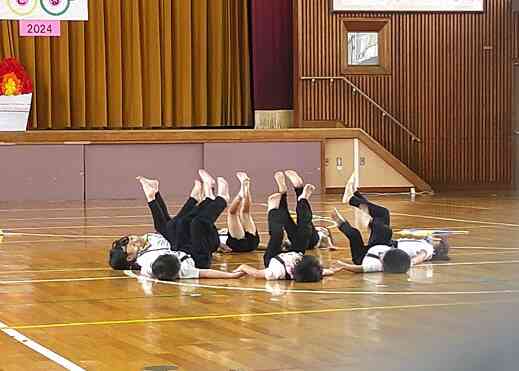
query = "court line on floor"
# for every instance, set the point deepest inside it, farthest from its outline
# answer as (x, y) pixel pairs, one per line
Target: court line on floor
(8, 231)
(451, 205)
(245, 315)
(130, 274)
(416, 202)
(95, 217)
(218, 263)
(455, 219)
(49, 280)
(483, 248)
(20, 242)
(38, 348)
(484, 253)
(172, 206)
(85, 208)
(56, 235)
(55, 270)
(423, 265)
(302, 291)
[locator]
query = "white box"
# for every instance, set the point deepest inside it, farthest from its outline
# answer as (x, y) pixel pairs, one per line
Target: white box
(14, 112)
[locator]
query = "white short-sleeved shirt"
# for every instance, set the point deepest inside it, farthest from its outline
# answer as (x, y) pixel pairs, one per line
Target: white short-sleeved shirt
(411, 247)
(160, 246)
(223, 236)
(321, 235)
(276, 270)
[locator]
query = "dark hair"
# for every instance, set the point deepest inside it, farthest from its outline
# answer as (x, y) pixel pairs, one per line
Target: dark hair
(396, 261)
(166, 267)
(118, 257)
(308, 269)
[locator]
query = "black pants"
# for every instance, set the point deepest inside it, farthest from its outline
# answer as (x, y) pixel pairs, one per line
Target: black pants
(248, 243)
(279, 220)
(380, 234)
(204, 235)
(192, 230)
(291, 226)
(164, 224)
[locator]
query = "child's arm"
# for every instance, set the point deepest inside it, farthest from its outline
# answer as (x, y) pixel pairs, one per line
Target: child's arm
(420, 258)
(251, 271)
(334, 268)
(212, 273)
(351, 267)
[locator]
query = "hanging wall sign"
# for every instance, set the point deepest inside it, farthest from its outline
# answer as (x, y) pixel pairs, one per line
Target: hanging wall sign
(39, 28)
(44, 10)
(408, 5)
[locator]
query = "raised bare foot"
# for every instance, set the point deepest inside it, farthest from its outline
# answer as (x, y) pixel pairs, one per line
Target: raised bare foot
(349, 189)
(242, 176)
(294, 178)
(196, 192)
(307, 191)
(279, 176)
(223, 189)
(153, 183)
(245, 188)
(273, 201)
(208, 183)
(149, 186)
(337, 217)
(206, 177)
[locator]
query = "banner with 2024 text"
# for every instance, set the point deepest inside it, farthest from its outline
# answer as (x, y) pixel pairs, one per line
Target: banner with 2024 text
(55, 10)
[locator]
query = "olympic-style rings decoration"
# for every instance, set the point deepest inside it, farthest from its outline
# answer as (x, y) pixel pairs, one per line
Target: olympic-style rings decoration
(54, 7)
(22, 7)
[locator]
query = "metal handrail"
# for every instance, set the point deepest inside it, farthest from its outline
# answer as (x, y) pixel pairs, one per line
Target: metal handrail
(357, 89)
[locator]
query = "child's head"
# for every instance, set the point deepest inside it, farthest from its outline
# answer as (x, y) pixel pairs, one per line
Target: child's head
(441, 249)
(308, 269)
(118, 256)
(396, 261)
(124, 251)
(166, 267)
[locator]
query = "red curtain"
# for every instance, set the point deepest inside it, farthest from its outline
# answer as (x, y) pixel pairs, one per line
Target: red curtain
(272, 54)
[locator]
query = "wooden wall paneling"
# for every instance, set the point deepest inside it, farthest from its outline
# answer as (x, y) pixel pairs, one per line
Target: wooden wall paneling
(450, 83)
(516, 37)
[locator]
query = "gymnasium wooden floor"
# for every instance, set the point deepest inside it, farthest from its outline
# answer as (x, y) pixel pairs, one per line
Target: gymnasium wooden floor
(57, 290)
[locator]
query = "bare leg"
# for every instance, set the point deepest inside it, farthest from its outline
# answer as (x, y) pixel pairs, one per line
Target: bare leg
(349, 189)
(149, 186)
(223, 189)
(273, 201)
(242, 176)
(233, 219)
(208, 183)
(280, 180)
(337, 217)
(246, 217)
(197, 192)
(307, 192)
(294, 178)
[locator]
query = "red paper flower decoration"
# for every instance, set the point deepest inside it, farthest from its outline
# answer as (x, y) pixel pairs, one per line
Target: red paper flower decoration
(14, 80)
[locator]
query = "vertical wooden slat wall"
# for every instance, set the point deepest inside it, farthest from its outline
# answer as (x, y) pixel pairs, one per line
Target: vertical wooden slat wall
(516, 37)
(451, 84)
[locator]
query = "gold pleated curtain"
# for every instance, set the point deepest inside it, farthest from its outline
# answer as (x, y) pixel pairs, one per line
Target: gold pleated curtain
(140, 64)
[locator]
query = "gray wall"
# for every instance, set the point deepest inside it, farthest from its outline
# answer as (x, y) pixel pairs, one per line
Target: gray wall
(41, 172)
(261, 160)
(111, 168)
(59, 172)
